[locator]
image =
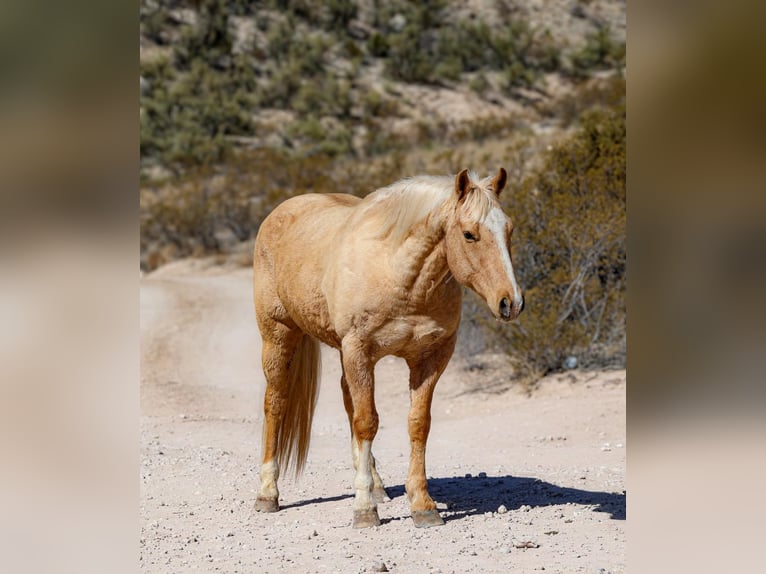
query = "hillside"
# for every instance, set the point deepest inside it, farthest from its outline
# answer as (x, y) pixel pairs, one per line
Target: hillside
(358, 77)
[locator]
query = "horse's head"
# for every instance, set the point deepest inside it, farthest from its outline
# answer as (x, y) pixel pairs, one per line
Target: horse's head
(478, 244)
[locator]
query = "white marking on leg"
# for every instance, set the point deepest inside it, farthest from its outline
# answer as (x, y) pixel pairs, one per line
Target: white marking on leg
(363, 480)
(376, 480)
(355, 452)
(495, 221)
(269, 477)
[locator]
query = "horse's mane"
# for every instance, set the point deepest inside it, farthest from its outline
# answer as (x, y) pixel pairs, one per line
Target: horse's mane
(401, 205)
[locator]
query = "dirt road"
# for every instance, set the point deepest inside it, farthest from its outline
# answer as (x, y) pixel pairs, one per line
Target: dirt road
(555, 461)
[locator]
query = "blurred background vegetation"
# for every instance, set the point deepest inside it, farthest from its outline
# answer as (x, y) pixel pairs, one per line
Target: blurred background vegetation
(244, 104)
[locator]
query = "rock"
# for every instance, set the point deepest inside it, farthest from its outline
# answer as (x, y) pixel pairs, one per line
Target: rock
(525, 544)
(570, 362)
(398, 22)
(502, 509)
(379, 567)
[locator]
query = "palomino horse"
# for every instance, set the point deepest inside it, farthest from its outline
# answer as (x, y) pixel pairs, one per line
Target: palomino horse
(373, 277)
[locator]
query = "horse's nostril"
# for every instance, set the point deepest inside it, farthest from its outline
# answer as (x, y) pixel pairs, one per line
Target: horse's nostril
(505, 307)
(521, 307)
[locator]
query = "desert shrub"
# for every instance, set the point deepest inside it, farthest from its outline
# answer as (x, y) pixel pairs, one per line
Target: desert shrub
(375, 104)
(279, 91)
(570, 252)
(337, 142)
(279, 38)
(602, 92)
(479, 83)
(410, 57)
(524, 54)
(210, 40)
(324, 96)
(186, 119)
(338, 13)
(327, 140)
(156, 23)
(600, 52)
(449, 69)
(517, 50)
(467, 42)
(377, 45)
(305, 9)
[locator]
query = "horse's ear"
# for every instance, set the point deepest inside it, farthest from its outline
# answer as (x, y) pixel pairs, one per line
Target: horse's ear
(499, 182)
(461, 184)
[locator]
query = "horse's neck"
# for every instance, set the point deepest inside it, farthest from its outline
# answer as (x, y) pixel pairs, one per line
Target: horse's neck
(422, 261)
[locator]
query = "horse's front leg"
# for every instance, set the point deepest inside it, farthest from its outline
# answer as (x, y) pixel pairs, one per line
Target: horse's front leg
(358, 370)
(378, 489)
(425, 371)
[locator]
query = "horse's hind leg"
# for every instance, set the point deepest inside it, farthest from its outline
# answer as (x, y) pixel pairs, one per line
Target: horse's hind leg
(425, 371)
(279, 344)
(378, 490)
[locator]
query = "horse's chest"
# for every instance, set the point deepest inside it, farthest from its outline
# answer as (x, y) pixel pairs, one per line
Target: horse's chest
(404, 335)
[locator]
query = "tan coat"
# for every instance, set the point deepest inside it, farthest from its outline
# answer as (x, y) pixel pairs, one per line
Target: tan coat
(373, 277)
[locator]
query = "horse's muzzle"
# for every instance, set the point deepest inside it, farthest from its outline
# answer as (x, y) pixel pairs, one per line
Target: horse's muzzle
(509, 310)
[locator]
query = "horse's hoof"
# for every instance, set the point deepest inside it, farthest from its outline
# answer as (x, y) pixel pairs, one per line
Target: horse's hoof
(266, 504)
(426, 518)
(380, 495)
(366, 518)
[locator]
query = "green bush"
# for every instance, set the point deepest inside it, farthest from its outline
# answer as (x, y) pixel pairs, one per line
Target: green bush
(469, 43)
(338, 13)
(598, 92)
(186, 119)
(524, 54)
(156, 24)
(375, 104)
(410, 57)
(377, 45)
(466, 46)
(210, 40)
(600, 52)
(479, 83)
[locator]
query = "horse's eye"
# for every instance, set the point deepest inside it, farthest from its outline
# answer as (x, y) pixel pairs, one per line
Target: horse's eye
(469, 236)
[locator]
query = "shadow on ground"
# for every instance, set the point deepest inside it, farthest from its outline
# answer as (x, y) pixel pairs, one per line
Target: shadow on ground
(316, 501)
(469, 495)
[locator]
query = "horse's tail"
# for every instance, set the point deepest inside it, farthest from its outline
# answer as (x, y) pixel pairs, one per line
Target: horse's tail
(302, 390)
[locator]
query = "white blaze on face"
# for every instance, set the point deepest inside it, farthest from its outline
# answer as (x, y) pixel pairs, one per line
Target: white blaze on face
(495, 222)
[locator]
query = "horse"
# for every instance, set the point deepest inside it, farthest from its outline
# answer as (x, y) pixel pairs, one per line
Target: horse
(372, 277)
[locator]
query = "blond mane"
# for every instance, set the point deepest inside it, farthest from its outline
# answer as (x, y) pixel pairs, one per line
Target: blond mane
(402, 205)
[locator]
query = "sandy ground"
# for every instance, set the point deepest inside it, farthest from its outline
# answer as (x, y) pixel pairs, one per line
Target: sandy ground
(555, 461)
